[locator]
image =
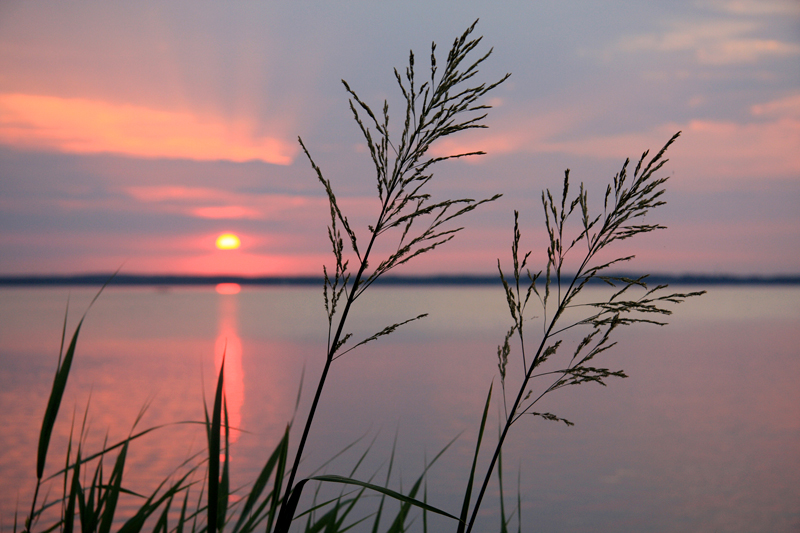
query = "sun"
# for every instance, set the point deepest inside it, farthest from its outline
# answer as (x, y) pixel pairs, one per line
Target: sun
(228, 241)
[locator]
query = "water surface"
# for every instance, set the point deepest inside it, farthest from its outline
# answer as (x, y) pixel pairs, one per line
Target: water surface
(703, 436)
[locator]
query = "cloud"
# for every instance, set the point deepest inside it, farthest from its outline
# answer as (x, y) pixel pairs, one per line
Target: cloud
(708, 152)
(754, 7)
(783, 107)
(218, 204)
(164, 193)
(513, 134)
(83, 126)
(226, 212)
(718, 42)
(730, 51)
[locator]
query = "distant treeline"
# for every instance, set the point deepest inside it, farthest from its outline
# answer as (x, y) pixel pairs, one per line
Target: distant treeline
(442, 279)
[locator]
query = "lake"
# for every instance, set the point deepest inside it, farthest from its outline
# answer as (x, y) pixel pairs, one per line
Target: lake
(703, 436)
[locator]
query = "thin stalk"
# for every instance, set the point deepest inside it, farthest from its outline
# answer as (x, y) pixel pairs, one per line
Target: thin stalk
(506, 427)
(401, 199)
(329, 359)
(628, 204)
(528, 375)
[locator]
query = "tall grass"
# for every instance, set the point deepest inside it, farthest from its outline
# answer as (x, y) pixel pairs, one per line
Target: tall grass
(197, 497)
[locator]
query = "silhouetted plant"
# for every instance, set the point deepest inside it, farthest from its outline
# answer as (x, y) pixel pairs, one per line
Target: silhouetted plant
(442, 105)
(626, 203)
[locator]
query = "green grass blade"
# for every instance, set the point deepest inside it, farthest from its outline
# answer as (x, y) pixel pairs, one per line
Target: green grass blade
(224, 485)
(161, 524)
(54, 402)
(182, 517)
(503, 520)
(424, 512)
(90, 514)
(75, 487)
(213, 452)
(112, 492)
(378, 515)
(399, 523)
(276, 491)
(325, 522)
(332, 525)
(64, 489)
(348, 506)
(57, 390)
(108, 449)
(82, 507)
(383, 490)
(286, 515)
(351, 526)
(468, 492)
(259, 486)
(136, 522)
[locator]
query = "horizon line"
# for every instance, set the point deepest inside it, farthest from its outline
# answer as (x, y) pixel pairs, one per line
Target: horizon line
(29, 280)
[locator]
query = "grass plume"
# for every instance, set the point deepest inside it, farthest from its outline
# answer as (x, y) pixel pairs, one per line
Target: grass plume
(446, 103)
(628, 199)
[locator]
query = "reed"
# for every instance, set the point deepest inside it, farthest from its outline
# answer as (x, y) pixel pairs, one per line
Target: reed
(197, 497)
(444, 104)
(627, 201)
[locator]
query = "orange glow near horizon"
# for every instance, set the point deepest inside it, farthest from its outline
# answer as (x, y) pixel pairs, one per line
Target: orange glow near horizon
(228, 241)
(84, 126)
(228, 288)
(231, 262)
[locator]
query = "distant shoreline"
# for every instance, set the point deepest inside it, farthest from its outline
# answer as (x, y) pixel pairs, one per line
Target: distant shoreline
(436, 280)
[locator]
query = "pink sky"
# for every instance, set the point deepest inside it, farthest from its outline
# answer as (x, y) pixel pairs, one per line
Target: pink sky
(137, 133)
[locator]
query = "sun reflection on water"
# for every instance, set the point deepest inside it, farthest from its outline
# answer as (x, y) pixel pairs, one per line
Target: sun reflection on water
(229, 344)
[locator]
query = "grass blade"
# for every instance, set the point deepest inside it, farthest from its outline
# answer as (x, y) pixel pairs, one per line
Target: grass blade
(503, 520)
(56, 395)
(54, 402)
(468, 493)
(383, 490)
(276, 491)
(136, 522)
(213, 452)
(161, 524)
(286, 515)
(182, 517)
(75, 487)
(113, 490)
(245, 522)
(224, 486)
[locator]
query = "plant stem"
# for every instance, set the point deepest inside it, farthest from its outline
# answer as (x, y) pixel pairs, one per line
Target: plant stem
(512, 415)
(507, 426)
(329, 359)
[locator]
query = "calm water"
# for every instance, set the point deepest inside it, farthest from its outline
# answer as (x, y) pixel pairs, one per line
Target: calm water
(704, 435)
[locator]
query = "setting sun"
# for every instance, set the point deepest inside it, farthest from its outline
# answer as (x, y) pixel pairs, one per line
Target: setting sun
(228, 241)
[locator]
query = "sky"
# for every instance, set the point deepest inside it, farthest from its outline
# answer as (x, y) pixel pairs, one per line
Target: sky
(133, 134)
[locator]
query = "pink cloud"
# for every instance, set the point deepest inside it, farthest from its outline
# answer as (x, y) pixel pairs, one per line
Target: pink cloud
(219, 204)
(782, 107)
(715, 42)
(161, 193)
(515, 133)
(83, 126)
(709, 152)
(712, 151)
(227, 212)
